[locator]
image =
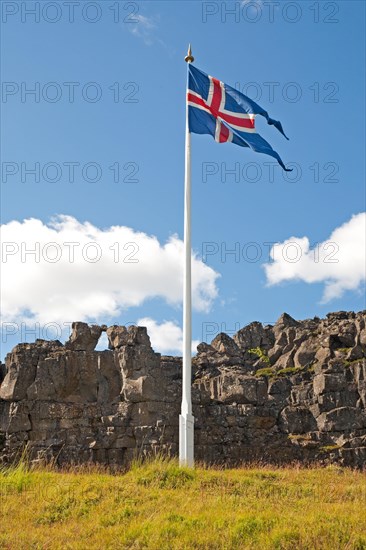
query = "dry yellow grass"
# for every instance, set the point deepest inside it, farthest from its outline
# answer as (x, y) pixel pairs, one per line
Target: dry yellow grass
(161, 506)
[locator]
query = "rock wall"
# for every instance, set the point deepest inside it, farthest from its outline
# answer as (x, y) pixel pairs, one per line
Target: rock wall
(292, 391)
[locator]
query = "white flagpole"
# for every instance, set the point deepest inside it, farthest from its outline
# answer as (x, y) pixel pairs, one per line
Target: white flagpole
(186, 419)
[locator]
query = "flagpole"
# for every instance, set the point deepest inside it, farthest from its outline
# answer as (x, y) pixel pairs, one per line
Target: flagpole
(186, 419)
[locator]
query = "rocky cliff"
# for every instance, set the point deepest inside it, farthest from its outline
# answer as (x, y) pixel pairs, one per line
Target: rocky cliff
(292, 391)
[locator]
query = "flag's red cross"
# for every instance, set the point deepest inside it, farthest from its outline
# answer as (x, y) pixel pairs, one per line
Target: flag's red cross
(215, 105)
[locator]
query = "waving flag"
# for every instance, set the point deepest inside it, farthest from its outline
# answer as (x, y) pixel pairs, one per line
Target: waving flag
(214, 108)
(226, 114)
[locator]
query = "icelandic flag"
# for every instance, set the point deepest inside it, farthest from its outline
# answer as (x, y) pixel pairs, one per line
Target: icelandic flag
(226, 114)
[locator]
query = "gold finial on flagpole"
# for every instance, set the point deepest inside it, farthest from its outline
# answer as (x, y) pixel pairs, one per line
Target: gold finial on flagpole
(189, 57)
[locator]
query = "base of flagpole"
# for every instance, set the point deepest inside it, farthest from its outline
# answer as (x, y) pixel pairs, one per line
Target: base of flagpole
(186, 435)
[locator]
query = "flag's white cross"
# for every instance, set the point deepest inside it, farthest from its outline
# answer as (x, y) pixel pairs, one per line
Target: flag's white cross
(215, 105)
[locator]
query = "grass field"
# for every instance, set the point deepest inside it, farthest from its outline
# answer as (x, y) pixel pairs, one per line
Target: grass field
(161, 506)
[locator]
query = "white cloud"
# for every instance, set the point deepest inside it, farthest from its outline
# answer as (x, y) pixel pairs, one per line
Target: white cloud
(143, 27)
(132, 268)
(146, 22)
(339, 262)
(166, 337)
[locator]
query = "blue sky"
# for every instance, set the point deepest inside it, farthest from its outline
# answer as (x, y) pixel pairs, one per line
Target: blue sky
(110, 91)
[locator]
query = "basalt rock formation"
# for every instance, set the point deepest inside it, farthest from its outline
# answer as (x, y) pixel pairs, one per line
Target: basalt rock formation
(292, 391)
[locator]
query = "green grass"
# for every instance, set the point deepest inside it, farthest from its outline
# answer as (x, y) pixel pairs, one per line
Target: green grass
(159, 505)
(267, 371)
(261, 354)
(289, 370)
(330, 448)
(349, 363)
(271, 372)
